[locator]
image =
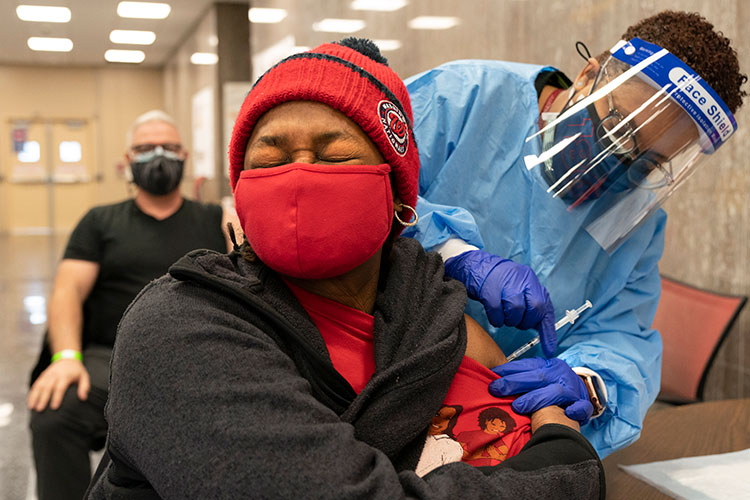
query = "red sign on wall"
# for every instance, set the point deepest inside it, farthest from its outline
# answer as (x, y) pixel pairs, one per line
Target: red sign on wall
(19, 135)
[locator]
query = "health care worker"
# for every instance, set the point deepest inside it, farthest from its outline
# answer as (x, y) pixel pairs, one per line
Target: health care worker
(569, 182)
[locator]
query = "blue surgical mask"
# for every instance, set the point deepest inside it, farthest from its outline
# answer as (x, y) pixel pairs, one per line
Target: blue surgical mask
(594, 171)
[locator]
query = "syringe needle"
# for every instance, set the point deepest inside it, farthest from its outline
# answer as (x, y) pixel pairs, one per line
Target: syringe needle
(570, 317)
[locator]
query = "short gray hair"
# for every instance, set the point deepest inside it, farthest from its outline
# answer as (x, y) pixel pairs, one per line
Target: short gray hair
(155, 115)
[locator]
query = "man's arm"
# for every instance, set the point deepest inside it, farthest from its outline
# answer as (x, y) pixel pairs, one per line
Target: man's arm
(631, 364)
(510, 292)
(615, 342)
(73, 283)
(439, 223)
(445, 100)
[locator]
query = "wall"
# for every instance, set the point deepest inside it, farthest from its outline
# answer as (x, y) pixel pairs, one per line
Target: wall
(222, 30)
(708, 233)
(110, 98)
(183, 79)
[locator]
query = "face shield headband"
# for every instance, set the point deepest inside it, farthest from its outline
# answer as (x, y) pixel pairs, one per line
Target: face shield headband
(615, 155)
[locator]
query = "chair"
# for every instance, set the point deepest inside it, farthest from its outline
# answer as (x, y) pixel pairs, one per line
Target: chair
(693, 324)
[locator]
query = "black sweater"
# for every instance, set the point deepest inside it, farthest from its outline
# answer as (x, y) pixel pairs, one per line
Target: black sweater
(222, 387)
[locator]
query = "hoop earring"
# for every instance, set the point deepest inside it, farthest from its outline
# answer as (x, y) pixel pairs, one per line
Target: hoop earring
(406, 224)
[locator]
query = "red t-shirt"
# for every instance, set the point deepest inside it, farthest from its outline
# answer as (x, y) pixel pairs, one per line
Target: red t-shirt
(347, 333)
(472, 425)
(487, 427)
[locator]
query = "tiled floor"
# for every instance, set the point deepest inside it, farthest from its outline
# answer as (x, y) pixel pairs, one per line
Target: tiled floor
(27, 265)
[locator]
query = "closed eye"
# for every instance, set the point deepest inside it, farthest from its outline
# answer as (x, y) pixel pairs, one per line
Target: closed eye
(340, 150)
(337, 159)
(267, 165)
(266, 157)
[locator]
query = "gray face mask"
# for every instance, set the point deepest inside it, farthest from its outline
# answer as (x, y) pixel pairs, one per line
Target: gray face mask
(157, 172)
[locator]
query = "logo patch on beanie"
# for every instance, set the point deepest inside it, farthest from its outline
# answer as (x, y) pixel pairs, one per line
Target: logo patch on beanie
(394, 125)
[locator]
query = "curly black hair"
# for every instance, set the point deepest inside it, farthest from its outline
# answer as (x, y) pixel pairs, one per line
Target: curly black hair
(689, 36)
(493, 413)
(453, 420)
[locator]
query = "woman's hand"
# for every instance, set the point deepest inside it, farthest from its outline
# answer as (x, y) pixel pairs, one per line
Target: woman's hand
(552, 415)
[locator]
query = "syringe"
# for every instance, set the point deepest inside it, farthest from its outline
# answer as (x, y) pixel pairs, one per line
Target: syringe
(570, 317)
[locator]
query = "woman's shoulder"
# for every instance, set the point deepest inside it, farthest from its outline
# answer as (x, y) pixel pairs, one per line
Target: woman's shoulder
(199, 290)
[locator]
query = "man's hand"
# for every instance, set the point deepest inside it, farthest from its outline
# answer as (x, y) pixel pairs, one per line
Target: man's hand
(510, 293)
(546, 382)
(52, 383)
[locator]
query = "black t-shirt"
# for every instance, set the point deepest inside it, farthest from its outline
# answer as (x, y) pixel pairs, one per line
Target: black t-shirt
(132, 249)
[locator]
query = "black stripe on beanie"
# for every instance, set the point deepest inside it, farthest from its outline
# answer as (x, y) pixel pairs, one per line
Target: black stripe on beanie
(327, 57)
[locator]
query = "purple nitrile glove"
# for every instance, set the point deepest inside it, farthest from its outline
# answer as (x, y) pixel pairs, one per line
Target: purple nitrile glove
(546, 382)
(510, 293)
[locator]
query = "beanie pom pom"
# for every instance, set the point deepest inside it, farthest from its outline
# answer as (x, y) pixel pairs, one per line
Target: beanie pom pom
(365, 47)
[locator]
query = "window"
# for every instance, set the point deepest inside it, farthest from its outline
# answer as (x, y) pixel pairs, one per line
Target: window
(31, 152)
(70, 151)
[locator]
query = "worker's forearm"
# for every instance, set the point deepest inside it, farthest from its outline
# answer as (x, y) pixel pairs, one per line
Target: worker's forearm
(65, 321)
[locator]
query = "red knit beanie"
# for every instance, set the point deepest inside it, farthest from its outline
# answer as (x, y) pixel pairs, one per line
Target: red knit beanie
(352, 77)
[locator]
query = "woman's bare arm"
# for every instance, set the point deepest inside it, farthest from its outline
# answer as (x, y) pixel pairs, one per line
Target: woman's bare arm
(552, 415)
(481, 348)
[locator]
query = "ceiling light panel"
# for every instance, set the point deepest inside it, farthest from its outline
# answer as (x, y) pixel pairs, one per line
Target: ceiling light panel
(124, 56)
(132, 37)
(379, 5)
(204, 58)
(433, 23)
(266, 16)
(43, 14)
(388, 45)
(143, 10)
(339, 25)
(50, 44)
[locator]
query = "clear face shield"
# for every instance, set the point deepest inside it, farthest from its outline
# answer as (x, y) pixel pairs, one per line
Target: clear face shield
(613, 157)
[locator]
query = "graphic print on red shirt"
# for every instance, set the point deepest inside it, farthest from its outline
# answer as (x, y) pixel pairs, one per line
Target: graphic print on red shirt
(486, 427)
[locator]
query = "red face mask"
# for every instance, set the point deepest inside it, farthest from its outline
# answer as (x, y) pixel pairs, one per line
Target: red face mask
(315, 221)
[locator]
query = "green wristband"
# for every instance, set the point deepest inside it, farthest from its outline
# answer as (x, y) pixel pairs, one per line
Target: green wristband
(67, 354)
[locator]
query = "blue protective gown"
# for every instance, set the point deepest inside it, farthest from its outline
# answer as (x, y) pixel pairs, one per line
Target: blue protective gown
(471, 121)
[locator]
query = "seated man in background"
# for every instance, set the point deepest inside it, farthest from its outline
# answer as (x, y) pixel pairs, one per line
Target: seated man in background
(114, 251)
